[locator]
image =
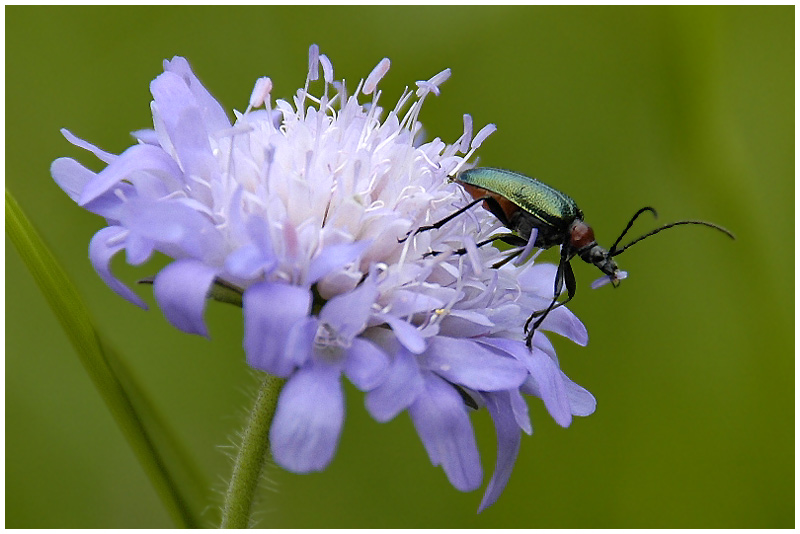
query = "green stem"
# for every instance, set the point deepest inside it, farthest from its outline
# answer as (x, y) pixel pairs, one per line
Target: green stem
(252, 456)
(71, 311)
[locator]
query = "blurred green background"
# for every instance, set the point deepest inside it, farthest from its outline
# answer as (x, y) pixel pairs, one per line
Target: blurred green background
(691, 359)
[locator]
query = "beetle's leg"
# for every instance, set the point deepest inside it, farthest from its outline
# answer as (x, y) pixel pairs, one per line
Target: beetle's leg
(507, 258)
(564, 276)
(439, 224)
(559, 281)
(509, 239)
(512, 239)
(569, 280)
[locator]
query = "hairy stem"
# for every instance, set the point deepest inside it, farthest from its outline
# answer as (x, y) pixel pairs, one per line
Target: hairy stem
(251, 457)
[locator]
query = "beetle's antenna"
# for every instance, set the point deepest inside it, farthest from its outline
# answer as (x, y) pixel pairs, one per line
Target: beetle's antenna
(677, 223)
(613, 248)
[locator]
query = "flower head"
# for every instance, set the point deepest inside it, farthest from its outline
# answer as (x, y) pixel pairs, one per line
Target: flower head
(302, 207)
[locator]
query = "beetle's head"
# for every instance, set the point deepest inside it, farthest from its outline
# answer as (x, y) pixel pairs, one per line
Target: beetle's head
(583, 242)
(598, 256)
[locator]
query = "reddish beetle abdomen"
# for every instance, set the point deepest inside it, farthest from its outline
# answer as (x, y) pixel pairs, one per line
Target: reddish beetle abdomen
(508, 207)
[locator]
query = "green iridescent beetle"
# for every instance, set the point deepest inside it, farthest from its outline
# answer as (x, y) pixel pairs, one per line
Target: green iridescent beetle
(524, 204)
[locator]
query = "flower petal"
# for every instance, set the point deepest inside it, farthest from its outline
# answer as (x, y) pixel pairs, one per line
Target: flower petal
(175, 228)
(581, 402)
(348, 312)
(308, 419)
(255, 258)
(73, 177)
(366, 364)
(214, 115)
(543, 343)
(138, 248)
(464, 361)
(70, 176)
(247, 262)
(444, 427)
(270, 312)
(101, 154)
(181, 289)
(401, 385)
(185, 125)
(520, 409)
(563, 322)
(102, 248)
(547, 382)
(334, 257)
(404, 303)
(300, 341)
(147, 136)
(138, 158)
(508, 442)
(539, 279)
(407, 334)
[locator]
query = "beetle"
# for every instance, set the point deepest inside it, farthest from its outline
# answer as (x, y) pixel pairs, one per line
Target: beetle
(524, 204)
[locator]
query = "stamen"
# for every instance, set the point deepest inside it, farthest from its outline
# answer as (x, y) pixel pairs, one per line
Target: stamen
(428, 160)
(328, 343)
(376, 75)
(432, 85)
(473, 255)
(327, 68)
(341, 92)
(466, 138)
(313, 62)
(402, 101)
(313, 98)
(261, 91)
(358, 89)
(425, 87)
(481, 136)
(528, 247)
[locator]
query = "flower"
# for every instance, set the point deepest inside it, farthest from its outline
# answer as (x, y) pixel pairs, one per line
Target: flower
(303, 208)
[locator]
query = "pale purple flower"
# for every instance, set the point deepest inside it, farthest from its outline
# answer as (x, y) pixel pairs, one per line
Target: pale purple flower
(302, 207)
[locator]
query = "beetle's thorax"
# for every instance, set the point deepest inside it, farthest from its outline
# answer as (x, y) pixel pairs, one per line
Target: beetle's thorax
(523, 223)
(583, 242)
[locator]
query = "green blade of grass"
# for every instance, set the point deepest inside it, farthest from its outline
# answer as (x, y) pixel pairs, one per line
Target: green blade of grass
(129, 407)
